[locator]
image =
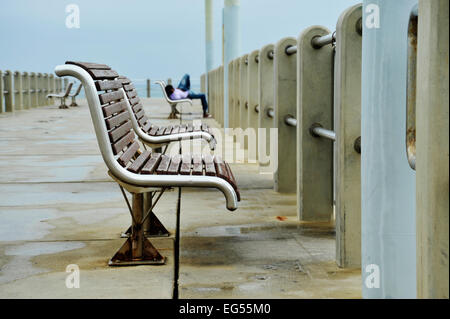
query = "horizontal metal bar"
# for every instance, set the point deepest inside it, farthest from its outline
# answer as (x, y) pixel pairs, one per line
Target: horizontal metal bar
(320, 41)
(290, 120)
(290, 50)
(270, 113)
(317, 130)
(257, 108)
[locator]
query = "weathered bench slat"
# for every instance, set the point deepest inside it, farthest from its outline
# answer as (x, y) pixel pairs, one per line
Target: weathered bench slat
(140, 114)
(163, 165)
(123, 80)
(131, 94)
(197, 168)
(154, 130)
(124, 141)
(128, 87)
(117, 119)
(183, 128)
(89, 65)
(161, 131)
(147, 126)
(221, 170)
(152, 163)
(120, 131)
(108, 85)
(186, 161)
(168, 130)
(137, 107)
(110, 109)
(197, 127)
(134, 101)
(210, 170)
(102, 74)
(174, 165)
(128, 154)
(143, 120)
(136, 166)
(110, 96)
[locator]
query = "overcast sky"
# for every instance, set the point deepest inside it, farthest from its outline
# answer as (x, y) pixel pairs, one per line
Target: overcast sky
(145, 38)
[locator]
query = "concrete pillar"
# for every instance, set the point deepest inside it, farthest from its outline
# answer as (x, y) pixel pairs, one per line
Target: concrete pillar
(285, 94)
(66, 83)
(231, 45)
(229, 76)
(347, 108)
(26, 90)
(2, 96)
(203, 83)
(253, 95)
(149, 94)
(266, 102)
(8, 83)
(18, 93)
(45, 86)
(243, 91)
(432, 149)
(51, 88)
(222, 98)
(34, 90)
(314, 105)
(236, 90)
(388, 184)
(39, 89)
(209, 36)
(59, 85)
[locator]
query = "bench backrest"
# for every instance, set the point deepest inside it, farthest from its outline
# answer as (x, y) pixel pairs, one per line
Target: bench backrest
(123, 143)
(78, 90)
(135, 103)
(68, 89)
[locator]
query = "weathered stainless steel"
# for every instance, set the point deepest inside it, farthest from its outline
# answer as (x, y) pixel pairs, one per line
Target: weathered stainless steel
(318, 131)
(290, 121)
(292, 49)
(270, 113)
(270, 54)
(320, 41)
(120, 172)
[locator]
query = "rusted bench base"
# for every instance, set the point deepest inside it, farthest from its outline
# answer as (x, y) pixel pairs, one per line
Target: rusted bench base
(137, 249)
(149, 255)
(63, 104)
(74, 102)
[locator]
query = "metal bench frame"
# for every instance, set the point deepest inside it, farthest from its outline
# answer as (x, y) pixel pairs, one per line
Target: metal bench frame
(172, 103)
(62, 96)
(137, 249)
(73, 96)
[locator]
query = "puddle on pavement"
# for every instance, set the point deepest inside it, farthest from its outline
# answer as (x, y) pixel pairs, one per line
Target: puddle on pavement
(25, 224)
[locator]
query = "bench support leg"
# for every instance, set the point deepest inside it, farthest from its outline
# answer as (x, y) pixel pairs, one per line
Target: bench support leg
(152, 225)
(63, 104)
(137, 250)
(74, 102)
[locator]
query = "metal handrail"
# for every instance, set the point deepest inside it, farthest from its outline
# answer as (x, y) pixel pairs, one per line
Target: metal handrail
(290, 121)
(270, 112)
(319, 41)
(317, 130)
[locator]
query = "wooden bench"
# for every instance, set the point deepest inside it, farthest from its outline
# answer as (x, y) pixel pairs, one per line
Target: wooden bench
(173, 103)
(155, 136)
(62, 96)
(73, 96)
(143, 173)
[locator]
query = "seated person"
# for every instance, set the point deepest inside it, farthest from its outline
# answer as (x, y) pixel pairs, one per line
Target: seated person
(183, 91)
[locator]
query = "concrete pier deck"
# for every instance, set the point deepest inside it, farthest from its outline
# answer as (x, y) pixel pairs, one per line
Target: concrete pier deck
(58, 207)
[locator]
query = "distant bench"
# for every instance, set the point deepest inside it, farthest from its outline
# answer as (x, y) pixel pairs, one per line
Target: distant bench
(143, 173)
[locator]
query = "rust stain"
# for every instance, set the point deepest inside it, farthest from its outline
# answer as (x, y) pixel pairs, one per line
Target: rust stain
(281, 218)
